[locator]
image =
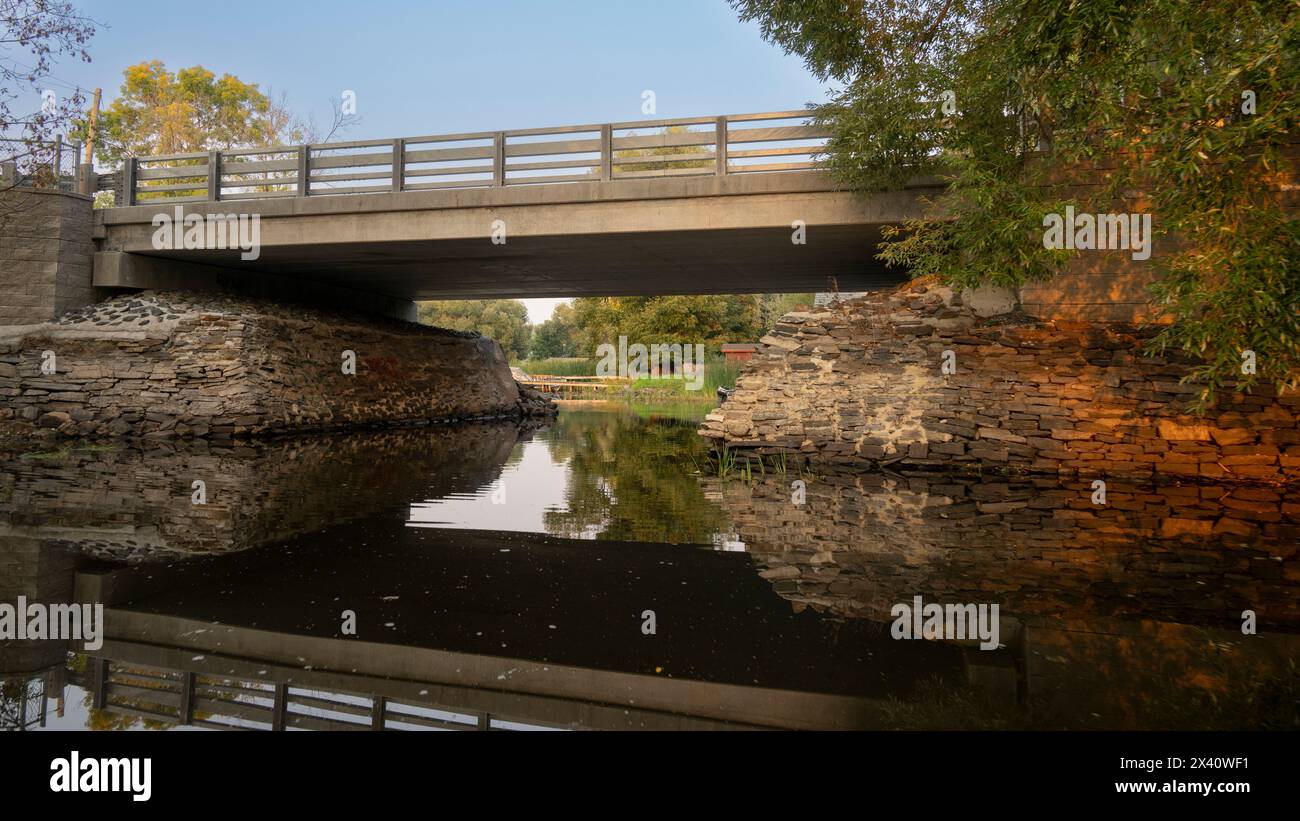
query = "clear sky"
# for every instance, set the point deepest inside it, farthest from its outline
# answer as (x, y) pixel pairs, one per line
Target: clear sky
(441, 66)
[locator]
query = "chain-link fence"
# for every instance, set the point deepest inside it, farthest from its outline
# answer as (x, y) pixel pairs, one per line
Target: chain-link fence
(39, 163)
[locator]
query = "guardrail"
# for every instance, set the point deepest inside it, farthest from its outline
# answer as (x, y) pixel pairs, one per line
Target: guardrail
(691, 146)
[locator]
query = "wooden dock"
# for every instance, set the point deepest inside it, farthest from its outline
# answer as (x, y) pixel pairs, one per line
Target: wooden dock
(573, 387)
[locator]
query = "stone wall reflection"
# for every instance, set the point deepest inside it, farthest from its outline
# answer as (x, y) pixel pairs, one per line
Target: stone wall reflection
(135, 501)
(1195, 554)
(1125, 615)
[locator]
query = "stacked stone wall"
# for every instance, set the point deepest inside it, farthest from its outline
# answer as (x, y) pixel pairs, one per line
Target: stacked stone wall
(864, 383)
(162, 365)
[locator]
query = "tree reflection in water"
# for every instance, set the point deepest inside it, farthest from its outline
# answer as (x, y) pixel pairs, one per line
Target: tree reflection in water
(632, 476)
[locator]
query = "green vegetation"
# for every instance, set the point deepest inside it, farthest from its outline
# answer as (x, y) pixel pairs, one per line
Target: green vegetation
(557, 336)
(566, 344)
(621, 166)
(505, 320)
(717, 372)
(631, 480)
(654, 391)
(725, 463)
(160, 112)
(1193, 102)
(568, 366)
(709, 320)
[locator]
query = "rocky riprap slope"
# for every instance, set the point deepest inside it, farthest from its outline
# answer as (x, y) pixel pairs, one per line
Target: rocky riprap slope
(171, 364)
(862, 383)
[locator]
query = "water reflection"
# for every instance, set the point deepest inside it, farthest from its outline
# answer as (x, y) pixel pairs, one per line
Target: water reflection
(595, 474)
(1129, 613)
(499, 577)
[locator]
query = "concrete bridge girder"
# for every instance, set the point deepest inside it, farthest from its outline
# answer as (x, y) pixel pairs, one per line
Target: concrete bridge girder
(727, 234)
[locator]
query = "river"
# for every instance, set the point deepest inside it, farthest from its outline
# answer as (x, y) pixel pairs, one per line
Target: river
(603, 572)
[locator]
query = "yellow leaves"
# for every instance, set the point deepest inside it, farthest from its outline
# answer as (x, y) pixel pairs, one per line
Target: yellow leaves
(160, 112)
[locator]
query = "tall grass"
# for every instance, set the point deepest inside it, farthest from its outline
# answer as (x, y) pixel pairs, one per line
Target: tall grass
(717, 372)
(568, 366)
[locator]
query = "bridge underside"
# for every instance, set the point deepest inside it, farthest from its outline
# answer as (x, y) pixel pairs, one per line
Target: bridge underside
(701, 235)
(631, 264)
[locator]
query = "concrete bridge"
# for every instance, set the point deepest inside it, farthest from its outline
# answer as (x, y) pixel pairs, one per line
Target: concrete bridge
(669, 206)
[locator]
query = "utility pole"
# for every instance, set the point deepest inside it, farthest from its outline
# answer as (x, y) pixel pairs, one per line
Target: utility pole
(92, 123)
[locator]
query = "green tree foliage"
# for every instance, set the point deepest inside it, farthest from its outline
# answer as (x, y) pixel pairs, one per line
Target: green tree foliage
(666, 319)
(1036, 89)
(505, 320)
(558, 336)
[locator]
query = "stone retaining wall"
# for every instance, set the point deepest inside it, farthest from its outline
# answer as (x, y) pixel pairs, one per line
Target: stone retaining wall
(166, 364)
(863, 383)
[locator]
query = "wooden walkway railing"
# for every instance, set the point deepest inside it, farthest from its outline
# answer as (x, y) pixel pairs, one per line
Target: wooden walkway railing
(765, 142)
(569, 387)
(236, 703)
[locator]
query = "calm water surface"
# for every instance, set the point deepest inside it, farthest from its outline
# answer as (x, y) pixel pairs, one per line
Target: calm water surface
(488, 575)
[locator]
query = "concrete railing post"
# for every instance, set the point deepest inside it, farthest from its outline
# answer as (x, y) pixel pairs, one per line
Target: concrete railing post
(606, 152)
(499, 159)
(304, 170)
(127, 195)
(399, 166)
(720, 145)
(214, 176)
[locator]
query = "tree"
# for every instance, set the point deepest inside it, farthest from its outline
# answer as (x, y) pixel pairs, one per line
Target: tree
(666, 319)
(504, 320)
(160, 112)
(631, 479)
(557, 336)
(657, 158)
(1195, 104)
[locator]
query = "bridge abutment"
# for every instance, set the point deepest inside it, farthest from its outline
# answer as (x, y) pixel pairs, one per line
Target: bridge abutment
(46, 255)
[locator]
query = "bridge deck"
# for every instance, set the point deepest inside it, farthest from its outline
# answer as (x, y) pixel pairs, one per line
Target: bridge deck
(702, 205)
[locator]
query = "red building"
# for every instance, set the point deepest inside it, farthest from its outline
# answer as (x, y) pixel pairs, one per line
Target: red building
(738, 351)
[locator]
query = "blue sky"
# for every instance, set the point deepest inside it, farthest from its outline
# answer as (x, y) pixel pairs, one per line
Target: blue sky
(442, 66)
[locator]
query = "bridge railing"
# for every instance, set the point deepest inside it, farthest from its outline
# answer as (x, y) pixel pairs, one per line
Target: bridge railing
(773, 141)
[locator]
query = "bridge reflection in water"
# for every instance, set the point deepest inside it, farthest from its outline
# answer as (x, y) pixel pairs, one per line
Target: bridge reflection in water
(472, 614)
